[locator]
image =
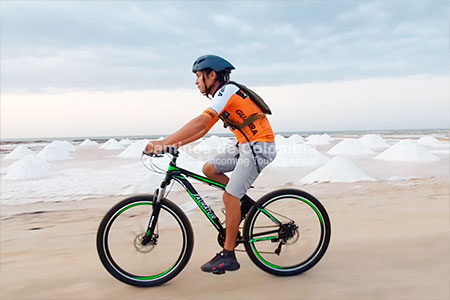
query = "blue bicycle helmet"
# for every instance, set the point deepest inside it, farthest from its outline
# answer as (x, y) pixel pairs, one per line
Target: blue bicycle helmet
(212, 62)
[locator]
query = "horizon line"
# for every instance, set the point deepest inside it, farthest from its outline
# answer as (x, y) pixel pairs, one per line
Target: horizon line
(105, 137)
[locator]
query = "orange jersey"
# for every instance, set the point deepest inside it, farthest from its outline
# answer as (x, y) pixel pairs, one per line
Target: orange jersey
(236, 106)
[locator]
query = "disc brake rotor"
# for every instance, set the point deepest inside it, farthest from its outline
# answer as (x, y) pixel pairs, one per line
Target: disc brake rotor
(142, 248)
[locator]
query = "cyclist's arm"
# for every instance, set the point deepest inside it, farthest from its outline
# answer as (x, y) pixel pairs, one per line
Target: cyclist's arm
(192, 131)
(199, 126)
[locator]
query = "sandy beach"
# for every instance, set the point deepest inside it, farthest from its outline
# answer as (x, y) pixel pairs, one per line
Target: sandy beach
(390, 240)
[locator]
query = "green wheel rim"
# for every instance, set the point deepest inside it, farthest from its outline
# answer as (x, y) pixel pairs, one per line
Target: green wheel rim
(319, 215)
(146, 277)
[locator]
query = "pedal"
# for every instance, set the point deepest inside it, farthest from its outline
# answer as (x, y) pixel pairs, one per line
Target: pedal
(219, 272)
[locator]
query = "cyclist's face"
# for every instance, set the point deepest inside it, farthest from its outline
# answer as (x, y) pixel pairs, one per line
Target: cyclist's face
(202, 79)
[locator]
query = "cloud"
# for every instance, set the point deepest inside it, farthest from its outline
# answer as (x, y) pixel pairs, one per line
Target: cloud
(366, 11)
(138, 45)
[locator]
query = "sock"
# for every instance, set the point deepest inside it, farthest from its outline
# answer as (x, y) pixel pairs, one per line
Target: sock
(229, 253)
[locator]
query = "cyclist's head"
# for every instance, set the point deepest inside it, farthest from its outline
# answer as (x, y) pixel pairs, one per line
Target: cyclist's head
(211, 70)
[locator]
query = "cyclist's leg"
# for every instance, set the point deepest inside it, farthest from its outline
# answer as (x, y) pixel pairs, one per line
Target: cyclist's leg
(241, 179)
(215, 169)
(222, 163)
(245, 173)
(233, 211)
(210, 171)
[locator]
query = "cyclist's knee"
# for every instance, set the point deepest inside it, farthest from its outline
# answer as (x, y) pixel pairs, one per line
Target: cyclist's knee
(209, 170)
(229, 197)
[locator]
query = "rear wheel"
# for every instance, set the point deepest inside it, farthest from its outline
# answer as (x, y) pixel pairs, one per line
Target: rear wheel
(144, 262)
(295, 245)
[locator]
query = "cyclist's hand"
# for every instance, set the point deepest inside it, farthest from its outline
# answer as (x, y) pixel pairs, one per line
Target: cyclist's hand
(155, 147)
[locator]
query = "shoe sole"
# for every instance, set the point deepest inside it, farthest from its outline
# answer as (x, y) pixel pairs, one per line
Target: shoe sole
(222, 271)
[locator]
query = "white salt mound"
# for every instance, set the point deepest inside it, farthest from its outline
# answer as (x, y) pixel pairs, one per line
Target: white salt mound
(213, 143)
(28, 167)
(316, 139)
(327, 137)
(281, 140)
(88, 142)
(134, 150)
(292, 140)
(64, 145)
(430, 141)
(68, 145)
(54, 152)
(111, 144)
(338, 169)
(296, 139)
(373, 141)
(125, 142)
(298, 155)
(19, 152)
(350, 147)
(407, 150)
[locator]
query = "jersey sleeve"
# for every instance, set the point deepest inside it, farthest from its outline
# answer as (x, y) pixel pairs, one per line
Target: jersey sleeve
(214, 117)
(221, 98)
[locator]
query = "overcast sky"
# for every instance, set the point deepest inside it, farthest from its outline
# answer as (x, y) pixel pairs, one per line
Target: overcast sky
(113, 48)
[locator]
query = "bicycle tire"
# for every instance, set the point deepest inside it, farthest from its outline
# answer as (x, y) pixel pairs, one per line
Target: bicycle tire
(125, 276)
(317, 210)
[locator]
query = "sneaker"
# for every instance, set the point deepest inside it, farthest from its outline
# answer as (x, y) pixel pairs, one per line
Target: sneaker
(223, 261)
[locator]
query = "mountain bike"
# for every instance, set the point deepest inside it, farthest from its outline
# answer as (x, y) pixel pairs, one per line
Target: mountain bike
(147, 240)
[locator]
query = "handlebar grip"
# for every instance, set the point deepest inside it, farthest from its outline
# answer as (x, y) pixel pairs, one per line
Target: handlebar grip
(148, 153)
(170, 150)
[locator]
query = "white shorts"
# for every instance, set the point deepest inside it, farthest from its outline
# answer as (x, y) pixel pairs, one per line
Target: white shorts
(241, 161)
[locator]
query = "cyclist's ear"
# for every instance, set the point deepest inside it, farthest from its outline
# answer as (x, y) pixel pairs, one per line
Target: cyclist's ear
(212, 75)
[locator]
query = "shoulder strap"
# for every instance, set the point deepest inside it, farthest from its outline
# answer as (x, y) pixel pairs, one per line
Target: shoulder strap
(254, 97)
(248, 121)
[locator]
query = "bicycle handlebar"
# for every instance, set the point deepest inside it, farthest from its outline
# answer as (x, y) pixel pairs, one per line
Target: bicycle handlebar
(170, 150)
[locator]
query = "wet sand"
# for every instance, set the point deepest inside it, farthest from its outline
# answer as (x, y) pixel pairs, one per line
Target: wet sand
(390, 240)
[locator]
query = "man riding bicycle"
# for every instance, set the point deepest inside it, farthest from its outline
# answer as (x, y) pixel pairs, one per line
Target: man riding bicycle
(245, 116)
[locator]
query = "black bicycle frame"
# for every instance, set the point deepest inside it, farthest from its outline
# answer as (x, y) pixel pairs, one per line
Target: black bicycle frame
(179, 174)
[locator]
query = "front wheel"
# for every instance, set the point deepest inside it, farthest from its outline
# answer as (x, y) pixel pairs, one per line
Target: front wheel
(289, 232)
(137, 257)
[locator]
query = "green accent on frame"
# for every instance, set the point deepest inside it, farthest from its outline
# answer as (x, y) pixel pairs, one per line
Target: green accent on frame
(269, 215)
(209, 181)
(172, 168)
(263, 239)
(199, 205)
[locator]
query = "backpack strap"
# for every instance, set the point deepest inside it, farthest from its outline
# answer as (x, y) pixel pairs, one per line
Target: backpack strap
(248, 121)
(254, 97)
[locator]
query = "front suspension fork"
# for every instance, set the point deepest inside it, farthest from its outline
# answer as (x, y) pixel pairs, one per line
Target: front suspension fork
(150, 233)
